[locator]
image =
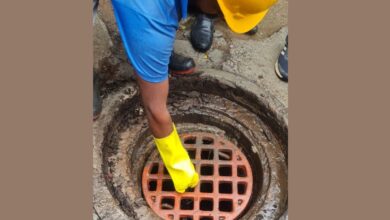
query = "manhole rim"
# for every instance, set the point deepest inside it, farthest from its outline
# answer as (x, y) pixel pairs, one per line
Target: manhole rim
(100, 187)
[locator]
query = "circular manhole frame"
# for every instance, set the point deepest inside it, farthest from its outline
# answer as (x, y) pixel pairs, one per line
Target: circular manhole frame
(273, 201)
(224, 189)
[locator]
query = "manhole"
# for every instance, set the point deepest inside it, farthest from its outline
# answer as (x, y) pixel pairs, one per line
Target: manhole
(208, 109)
(224, 188)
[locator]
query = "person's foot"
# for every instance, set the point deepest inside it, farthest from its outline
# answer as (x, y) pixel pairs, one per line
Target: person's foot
(253, 31)
(202, 31)
(179, 64)
(97, 101)
(281, 65)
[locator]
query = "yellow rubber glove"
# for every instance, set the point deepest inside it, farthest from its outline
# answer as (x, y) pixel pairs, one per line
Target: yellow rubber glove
(177, 162)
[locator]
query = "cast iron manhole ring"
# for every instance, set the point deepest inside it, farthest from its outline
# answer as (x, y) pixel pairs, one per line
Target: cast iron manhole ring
(224, 189)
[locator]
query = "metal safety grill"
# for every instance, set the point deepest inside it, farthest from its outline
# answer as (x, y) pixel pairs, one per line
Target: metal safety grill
(224, 189)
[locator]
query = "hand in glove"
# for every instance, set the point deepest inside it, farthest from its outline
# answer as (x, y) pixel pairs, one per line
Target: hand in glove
(177, 161)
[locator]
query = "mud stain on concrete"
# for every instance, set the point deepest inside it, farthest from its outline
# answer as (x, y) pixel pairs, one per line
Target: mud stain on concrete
(203, 103)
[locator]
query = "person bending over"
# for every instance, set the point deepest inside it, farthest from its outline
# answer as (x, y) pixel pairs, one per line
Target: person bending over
(147, 29)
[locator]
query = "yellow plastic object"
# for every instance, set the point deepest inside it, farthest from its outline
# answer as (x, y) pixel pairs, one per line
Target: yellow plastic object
(177, 161)
(243, 15)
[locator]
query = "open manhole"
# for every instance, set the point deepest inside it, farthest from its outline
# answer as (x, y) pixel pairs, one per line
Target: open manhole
(235, 134)
(224, 188)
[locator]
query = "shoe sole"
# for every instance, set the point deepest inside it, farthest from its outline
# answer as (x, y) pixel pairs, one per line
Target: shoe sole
(184, 72)
(277, 71)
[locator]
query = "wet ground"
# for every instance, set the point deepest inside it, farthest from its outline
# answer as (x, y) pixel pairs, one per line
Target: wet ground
(252, 58)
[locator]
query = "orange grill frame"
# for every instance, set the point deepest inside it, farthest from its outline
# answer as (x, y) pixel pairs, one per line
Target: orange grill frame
(224, 189)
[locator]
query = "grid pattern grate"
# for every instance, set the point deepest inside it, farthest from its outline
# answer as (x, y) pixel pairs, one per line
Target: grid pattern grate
(224, 188)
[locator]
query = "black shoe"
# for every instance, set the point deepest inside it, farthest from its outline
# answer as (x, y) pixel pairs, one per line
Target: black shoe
(179, 64)
(97, 101)
(281, 66)
(253, 31)
(202, 31)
